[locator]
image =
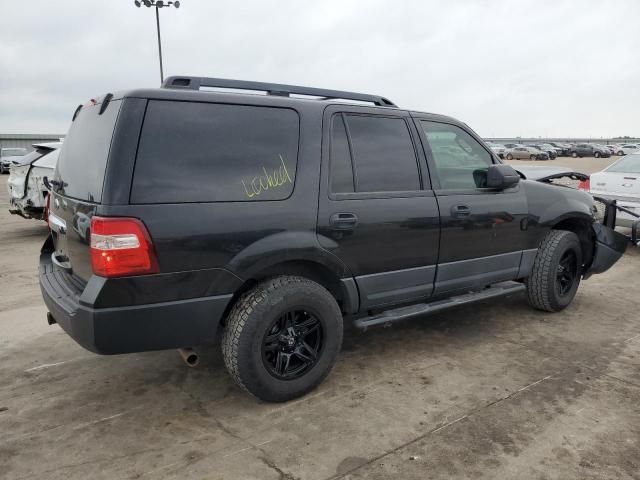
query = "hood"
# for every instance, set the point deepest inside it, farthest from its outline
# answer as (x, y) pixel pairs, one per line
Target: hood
(543, 173)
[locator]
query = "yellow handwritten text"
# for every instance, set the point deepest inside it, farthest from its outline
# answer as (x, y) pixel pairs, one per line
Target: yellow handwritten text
(270, 179)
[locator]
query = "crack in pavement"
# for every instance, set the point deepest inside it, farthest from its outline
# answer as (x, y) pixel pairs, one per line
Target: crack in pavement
(438, 429)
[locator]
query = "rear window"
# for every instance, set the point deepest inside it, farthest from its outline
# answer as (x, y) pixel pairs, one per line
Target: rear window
(629, 164)
(83, 157)
(207, 152)
(49, 160)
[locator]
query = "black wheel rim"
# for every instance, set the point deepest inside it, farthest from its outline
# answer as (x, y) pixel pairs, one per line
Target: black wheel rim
(292, 344)
(567, 272)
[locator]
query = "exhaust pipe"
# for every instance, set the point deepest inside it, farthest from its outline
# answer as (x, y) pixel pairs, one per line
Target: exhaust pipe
(190, 356)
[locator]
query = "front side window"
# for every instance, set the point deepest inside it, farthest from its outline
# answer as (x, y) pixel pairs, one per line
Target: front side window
(460, 160)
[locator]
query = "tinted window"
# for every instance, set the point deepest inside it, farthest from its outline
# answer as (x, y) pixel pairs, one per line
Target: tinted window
(83, 157)
(383, 154)
(205, 152)
(461, 161)
(341, 169)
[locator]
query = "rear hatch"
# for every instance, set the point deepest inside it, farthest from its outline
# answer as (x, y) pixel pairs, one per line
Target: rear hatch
(78, 183)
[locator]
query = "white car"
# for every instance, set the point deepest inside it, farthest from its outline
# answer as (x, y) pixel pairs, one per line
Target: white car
(621, 182)
(27, 189)
(627, 148)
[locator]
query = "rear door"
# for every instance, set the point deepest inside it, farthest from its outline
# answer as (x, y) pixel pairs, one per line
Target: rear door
(377, 211)
(77, 186)
(483, 231)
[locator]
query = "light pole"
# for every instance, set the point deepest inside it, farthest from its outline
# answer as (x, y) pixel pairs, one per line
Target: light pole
(158, 4)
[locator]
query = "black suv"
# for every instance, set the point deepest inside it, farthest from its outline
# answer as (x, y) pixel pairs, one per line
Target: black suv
(178, 214)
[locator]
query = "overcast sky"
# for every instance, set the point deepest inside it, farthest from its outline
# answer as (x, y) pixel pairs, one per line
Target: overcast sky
(506, 67)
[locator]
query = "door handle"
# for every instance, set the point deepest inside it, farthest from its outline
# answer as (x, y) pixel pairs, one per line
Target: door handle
(459, 211)
(343, 221)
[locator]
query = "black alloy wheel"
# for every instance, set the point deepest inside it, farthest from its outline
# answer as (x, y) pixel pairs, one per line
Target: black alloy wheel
(567, 272)
(292, 344)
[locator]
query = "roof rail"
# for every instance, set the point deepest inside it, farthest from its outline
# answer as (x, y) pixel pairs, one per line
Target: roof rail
(195, 83)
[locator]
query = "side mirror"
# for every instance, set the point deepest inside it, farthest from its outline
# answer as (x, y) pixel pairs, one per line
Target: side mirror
(501, 176)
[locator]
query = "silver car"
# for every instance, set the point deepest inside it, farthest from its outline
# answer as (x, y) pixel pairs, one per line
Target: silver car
(7, 155)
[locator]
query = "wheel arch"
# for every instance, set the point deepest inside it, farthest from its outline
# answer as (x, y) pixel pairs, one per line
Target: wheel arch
(294, 253)
(582, 227)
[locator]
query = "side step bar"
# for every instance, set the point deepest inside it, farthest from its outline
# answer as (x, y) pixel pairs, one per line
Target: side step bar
(402, 313)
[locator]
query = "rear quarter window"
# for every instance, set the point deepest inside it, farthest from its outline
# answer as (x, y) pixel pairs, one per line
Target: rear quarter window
(207, 152)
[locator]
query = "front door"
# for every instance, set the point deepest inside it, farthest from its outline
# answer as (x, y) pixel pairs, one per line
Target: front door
(483, 231)
(377, 211)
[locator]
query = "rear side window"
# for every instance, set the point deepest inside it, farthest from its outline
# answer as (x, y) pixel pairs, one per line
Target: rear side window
(206, 152)
(382, 153)
(83, 157)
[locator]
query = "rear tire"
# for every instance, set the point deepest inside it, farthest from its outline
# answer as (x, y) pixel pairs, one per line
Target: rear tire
(556, 273)
(532, 157)
(574, 154)
(282, 338)
(620, 153)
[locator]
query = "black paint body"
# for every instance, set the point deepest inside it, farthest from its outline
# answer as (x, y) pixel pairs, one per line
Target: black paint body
(401, 248)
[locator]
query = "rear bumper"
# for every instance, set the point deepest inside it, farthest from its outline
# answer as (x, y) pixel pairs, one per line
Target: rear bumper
(138, 328)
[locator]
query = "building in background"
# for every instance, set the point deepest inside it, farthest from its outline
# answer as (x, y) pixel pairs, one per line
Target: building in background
(25, 140)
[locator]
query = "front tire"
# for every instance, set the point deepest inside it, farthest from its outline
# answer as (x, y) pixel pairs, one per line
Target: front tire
(532, 157)
(282, 338)
(597, 154)
(574, 154)
(509, 156)
(556, 273)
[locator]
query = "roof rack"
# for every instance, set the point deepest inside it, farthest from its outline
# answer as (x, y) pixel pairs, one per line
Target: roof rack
(276, 89)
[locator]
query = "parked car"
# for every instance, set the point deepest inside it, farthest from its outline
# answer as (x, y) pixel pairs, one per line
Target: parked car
(9, 154)
(27, 186)
(526, 153)
(627, 148)
(589, 150)
(613, 149)
(551, 151)
(563, 147)
(496, 148)
(620, 181)
(259, 218)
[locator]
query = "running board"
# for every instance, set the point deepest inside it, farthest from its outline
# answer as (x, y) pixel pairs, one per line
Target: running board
(402, 313)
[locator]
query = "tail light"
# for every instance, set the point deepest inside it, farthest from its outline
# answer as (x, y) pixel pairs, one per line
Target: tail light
(584, 185)
(121, 247)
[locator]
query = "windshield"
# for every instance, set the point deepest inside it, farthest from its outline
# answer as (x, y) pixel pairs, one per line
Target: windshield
(629, 164)
(13, 152)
